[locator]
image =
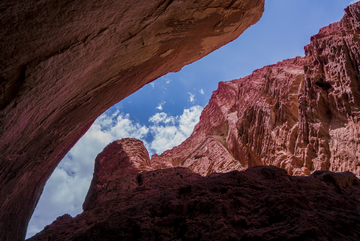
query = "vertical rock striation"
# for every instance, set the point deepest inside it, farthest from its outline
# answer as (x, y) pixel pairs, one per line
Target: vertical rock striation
(332, 91)
(241, 125)
(63, 63)
(300, 114)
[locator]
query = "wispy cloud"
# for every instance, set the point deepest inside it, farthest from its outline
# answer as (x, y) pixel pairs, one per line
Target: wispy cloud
(169, 131)
(160, 106)
(66, 189)
(201, 91)
(152, 84)
(191, 97)
(162, 117)
(354, 1)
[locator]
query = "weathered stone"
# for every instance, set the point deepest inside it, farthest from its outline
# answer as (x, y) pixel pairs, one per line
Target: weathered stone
(262, 203)
(63, 63)
(301, 114)
(116, 168)
(332, 92)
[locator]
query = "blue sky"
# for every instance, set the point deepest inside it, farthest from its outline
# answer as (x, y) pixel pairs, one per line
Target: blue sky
(163, 114)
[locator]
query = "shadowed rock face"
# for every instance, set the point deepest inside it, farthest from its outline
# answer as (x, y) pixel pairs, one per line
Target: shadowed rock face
(301, 114)
(63, 63)
(122, 177)
(261, 203)
(115, 170)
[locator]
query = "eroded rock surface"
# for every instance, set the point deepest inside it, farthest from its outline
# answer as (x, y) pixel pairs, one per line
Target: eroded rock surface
(63, 63)
(261, 203)
(301, 114)
(116, 168)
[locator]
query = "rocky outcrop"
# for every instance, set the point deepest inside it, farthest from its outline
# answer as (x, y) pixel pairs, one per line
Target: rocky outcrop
(116, 168)
(301, 114)
(122, 178)
(261, 203)
(237, 128)
(63, 63)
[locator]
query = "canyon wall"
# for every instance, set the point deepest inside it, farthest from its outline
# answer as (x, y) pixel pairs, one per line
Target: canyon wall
(300, 114)
(63, 63)
(297, 117)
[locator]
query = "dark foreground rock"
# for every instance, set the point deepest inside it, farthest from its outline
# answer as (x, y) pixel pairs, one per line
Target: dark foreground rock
(261, 203)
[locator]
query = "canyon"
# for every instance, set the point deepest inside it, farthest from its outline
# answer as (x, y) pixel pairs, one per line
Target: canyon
(300, 114)
(63, 63)
(275, 156)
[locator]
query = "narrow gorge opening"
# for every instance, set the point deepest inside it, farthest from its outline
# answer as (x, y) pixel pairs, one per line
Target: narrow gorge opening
(163, 113)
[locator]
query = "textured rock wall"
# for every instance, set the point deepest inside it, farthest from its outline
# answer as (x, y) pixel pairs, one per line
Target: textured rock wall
(62, 63)
(115, 170)
(301, 114)
(240, 126)
(332, 90)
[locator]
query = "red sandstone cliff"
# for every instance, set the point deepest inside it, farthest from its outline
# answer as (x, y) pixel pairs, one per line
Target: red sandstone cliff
(301, 114)
(63, 63)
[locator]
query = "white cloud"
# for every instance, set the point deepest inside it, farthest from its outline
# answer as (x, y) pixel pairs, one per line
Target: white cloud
(152, 84)
(171, 131)
(161, 117)
(159, 107)
(66, 189)
(354, 1)
(201, 91)
(165, 137)
(167, 80)
(191, 97)
(189, 119)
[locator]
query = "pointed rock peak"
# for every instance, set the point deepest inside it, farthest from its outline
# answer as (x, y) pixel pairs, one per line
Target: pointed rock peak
(116, 168)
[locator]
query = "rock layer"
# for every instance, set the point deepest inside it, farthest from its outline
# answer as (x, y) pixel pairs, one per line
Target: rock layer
(301, 114)
(63, 63)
